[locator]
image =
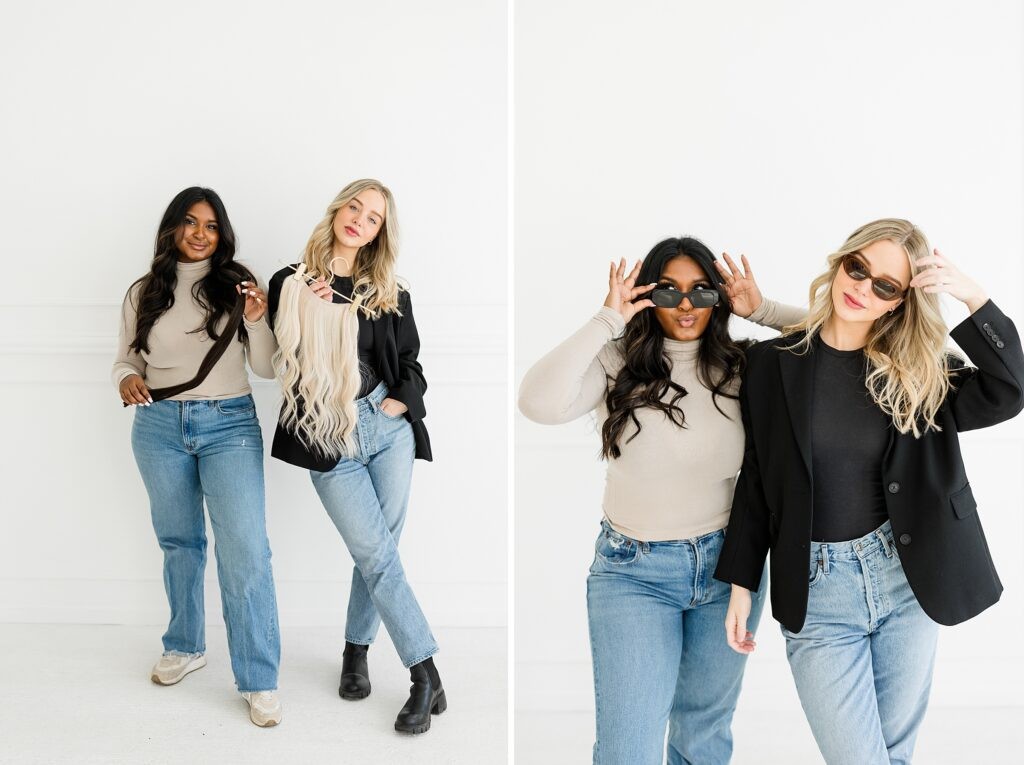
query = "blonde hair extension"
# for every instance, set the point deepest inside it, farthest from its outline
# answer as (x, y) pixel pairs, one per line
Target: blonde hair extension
(373, 274)
(906, 351)
(317, 362)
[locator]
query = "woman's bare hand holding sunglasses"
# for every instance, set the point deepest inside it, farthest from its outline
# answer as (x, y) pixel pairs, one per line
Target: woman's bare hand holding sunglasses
(622, 290)
(740, 287)
(937, 274)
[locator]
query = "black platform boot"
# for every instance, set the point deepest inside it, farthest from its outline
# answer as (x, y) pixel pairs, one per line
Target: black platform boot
(355, 674)
(426, 697)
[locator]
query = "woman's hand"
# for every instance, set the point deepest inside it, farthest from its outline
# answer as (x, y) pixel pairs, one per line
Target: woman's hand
(937, 274)
(392, 407)
(322, 289)
(740, 287)
(134, 391)
(255, 301)
(622, 292)
(737, 636)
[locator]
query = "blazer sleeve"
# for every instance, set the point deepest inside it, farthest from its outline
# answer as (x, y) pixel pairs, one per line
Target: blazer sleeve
(992, 392)
(748, 536)
(411, 384)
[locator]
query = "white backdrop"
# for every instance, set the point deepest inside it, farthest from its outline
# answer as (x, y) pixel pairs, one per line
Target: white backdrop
(108, 111)
(771, 129)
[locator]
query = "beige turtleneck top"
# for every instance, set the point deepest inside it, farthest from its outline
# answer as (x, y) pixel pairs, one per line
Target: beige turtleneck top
(175, 351)
(669, 483)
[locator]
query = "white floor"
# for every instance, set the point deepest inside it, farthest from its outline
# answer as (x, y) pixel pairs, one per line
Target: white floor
(82, 694)
(947, 736)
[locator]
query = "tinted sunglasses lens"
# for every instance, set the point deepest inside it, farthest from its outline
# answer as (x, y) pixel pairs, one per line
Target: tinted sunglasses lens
(666, 298)
(703, 298)
(884, 289)
(855, 269)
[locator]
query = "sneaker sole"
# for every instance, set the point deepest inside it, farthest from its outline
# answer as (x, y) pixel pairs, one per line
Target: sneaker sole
(197, 663)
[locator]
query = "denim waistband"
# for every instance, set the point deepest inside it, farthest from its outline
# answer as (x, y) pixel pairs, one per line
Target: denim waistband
(662, 542)
(371, 401)
(879, 540)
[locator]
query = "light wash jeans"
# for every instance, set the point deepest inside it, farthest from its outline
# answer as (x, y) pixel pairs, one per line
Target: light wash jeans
(366, 496)
(863, 660)
(657, 635)
(187, 451)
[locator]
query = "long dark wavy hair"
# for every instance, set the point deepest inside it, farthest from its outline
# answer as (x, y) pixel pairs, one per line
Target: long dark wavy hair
(215, 292)
(646, 375)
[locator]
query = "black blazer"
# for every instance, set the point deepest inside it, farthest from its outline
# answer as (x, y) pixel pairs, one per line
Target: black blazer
(396, 345)
(931, 508)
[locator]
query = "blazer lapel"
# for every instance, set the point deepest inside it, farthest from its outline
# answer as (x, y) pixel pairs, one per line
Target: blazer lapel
(798, 383)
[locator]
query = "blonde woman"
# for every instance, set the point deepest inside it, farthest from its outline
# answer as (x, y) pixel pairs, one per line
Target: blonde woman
(353, 416)
(853, 479)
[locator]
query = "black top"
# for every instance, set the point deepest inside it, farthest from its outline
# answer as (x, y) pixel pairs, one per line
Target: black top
(849, 435)
(934, 515)
(395, 347)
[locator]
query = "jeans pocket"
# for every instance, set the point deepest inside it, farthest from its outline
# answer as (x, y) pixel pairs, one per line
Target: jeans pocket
(387, 416)
(241, 406)
(615, 549)
(816, 573)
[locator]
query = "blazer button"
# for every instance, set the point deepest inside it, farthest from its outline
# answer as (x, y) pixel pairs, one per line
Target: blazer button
(987, 327)
(1000, 344)
(904, 539)
(894, 487)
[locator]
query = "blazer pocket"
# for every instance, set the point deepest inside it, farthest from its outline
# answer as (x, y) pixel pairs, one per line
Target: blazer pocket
(963, 502)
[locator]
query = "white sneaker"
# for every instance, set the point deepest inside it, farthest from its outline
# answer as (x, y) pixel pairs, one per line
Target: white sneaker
(264, 707)
(174, 666)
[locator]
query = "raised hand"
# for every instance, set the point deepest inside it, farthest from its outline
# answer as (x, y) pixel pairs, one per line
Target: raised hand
(937, 274)
(255, 300)
(322, 289)
(622, 290)
(740, 287)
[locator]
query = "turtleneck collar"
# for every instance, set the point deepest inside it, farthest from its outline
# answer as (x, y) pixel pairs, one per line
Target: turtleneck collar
(193, 271)
(682, 350)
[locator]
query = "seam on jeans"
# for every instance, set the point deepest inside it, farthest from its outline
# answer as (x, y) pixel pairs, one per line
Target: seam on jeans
(424, 657)
(698, 573)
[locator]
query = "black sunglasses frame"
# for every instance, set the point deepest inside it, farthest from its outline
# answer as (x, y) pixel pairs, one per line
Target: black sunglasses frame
(704, 297)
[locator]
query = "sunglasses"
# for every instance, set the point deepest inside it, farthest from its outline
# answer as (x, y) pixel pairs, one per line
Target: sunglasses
(669, 297)
(857, 270)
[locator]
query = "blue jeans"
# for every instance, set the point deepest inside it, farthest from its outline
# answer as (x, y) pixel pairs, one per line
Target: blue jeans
(187, 451)
(366, 496)
(657, 635)
(863, 660)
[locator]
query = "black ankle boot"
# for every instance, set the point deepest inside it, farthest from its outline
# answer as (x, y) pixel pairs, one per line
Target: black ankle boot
(426, 697)
(355, 674)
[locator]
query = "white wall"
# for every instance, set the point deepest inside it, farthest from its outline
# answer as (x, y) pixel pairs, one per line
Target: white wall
(109, 110)
(771, 129)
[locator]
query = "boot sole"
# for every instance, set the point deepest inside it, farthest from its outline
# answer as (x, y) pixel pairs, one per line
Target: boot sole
(356, 696)
(192, 666)
(440, 705)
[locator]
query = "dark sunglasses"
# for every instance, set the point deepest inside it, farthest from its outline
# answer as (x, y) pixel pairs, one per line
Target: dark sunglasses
(857, 270)
(668, 297)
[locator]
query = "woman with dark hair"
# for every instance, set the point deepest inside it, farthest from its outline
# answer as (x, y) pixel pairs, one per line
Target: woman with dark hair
(202, 440)
(664, 385)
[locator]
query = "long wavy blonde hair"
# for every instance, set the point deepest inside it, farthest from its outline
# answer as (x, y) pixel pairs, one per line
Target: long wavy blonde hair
(317, 360)
(906, 350)
(373, 273)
